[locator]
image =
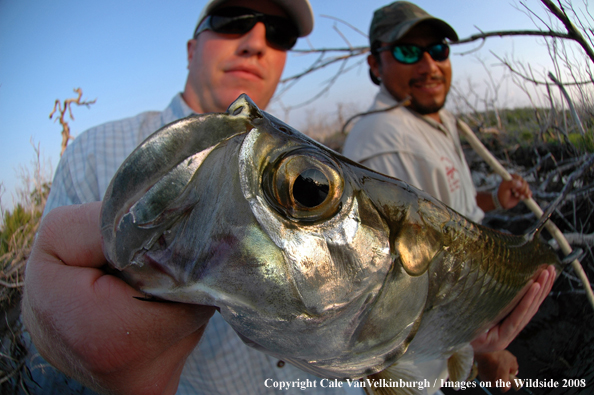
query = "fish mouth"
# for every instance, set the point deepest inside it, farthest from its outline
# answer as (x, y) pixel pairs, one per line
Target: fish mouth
(128, 227)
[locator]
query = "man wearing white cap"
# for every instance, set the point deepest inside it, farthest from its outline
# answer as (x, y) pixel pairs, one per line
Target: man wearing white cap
(85, 322)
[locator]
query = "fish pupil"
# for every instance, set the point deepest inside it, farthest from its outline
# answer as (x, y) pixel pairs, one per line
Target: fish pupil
(310, 188)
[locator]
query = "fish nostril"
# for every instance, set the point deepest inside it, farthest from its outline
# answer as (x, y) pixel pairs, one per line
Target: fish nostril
(238, 110)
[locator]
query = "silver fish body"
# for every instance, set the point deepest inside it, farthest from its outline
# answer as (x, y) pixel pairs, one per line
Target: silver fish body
(309, 256)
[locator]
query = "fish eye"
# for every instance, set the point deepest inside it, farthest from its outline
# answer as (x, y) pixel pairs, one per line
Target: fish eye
(310, 188)
(305, 185)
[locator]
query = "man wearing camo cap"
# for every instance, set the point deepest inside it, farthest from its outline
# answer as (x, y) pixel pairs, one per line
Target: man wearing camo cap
(419, 144)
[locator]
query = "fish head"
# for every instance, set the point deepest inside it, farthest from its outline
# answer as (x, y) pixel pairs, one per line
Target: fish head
(300, 249)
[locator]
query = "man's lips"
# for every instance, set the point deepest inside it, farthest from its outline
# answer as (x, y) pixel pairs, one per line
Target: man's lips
(427, 83)
(246, 71)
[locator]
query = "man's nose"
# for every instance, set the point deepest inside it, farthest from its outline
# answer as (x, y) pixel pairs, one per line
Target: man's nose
(427, 65)
(254, 41)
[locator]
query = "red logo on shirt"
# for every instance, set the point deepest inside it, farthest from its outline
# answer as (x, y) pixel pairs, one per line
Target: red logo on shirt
(452, 174)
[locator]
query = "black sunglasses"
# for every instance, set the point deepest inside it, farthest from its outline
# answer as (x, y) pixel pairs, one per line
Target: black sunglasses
(411, 53)
(280, 32)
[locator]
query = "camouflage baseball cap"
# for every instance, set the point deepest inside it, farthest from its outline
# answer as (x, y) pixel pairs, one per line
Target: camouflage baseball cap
(393, 21)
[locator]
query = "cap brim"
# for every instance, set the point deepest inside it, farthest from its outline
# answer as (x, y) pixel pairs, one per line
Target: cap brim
(299, 11)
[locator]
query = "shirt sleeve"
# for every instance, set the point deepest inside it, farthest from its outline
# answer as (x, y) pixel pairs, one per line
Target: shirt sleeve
(75, 180)
(62, 192)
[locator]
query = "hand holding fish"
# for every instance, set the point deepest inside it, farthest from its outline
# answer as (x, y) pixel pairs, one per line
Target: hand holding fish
(87, 323)
(498, 365)
(498, 337)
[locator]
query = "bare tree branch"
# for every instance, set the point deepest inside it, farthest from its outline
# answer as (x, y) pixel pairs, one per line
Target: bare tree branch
(504, 33)
(574, 113)
(66, 136)
(345, 23)
(572, 31)
(532, 79)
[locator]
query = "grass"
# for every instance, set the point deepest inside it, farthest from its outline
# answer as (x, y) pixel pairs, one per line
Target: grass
(17, 233)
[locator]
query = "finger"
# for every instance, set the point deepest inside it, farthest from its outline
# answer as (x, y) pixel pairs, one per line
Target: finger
(513, 367)
(507, 369)
(499, 336)
(516, 385)
(167, 320)
(520, 187)
(525, 191)
(546, 279)
(72, 236)
(115, 334)
(519, 317)
(64, 263)
(530, 304)
(478, 344)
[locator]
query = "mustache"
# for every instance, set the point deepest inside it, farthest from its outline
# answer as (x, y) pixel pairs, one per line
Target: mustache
(433, 78)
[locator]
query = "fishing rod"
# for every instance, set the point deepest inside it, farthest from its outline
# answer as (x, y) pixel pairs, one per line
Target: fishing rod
(488, 157)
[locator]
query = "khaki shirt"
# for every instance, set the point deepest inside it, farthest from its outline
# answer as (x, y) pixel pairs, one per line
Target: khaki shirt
(416, 149)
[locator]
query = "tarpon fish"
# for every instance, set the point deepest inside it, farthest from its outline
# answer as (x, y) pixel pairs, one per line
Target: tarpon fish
(309, 256)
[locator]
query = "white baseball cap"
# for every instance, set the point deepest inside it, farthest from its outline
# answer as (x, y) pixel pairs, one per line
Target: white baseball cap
(299, 11)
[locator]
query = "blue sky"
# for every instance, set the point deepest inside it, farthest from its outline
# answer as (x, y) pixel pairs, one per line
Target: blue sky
(131, 56)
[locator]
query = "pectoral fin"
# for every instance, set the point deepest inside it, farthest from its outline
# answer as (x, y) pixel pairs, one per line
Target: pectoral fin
(460, 364)
(405, 377)
(419, 242)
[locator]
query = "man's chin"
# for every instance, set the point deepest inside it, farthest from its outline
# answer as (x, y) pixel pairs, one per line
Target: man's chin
(426, 108)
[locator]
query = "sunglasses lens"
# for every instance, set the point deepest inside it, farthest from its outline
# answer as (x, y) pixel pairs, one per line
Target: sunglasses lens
(407, 54)
(280, 32)
(410, 53)
(232, 24)
(439, 52)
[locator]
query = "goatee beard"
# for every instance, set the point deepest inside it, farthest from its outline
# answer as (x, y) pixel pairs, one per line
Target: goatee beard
(426, 109)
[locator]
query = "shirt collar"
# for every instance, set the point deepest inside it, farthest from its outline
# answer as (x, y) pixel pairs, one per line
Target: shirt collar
(179, 107)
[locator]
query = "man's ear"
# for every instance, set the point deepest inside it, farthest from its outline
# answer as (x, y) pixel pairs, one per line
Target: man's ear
(191, 48)
(374, 68)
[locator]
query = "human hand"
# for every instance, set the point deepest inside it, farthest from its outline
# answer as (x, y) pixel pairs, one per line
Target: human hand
(499, 337)
(511, 192)
(87, 323)
(497, 365)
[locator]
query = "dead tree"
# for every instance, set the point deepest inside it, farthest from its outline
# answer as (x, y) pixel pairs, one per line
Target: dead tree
(66, 136)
